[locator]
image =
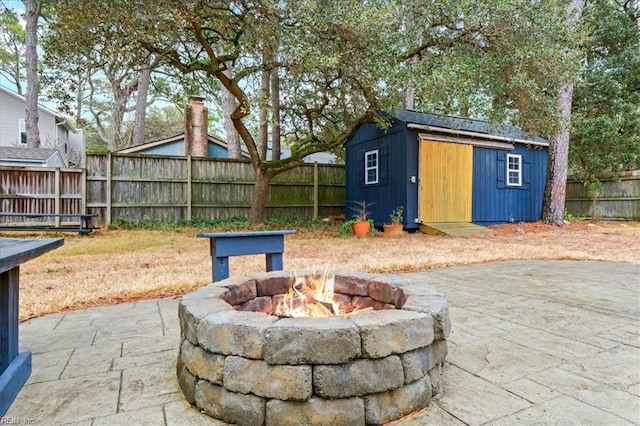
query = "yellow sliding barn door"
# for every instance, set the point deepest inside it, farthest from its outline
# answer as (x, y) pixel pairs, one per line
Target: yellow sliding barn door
(445, 171)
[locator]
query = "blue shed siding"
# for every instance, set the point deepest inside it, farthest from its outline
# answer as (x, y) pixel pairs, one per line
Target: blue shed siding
(175, 148)
(411, 161)
(394, 188)
(216, 151)
(494, 202)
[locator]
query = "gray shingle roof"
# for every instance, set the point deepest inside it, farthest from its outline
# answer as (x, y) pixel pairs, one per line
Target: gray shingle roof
(35, 154)
(465, 124)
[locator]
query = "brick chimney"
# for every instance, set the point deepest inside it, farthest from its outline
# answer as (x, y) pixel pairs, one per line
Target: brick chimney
(195, 129)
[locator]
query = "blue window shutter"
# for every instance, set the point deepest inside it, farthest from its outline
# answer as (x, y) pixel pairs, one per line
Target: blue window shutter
(360, 167)
(501, 170)
(383, 168)
(526, 173)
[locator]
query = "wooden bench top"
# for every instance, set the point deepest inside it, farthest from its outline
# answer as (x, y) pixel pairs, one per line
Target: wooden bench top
(15, 251)
(244, 234)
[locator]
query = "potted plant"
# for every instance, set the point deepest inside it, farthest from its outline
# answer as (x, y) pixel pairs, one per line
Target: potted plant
(361, 223)
(395, 227)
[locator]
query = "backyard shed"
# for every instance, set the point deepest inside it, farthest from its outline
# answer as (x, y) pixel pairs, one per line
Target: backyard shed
(445, 170)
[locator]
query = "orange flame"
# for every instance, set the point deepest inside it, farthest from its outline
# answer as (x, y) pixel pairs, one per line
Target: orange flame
(310, 296)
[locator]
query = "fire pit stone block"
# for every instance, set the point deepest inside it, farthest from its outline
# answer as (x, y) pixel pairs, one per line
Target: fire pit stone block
(234, 407)
(393, 331)
(193, 310)
(384, 292)
(240, 293)
(436, 306)
(285, 382)
(235, 333)
(241, 365)
(262, 304)
(312, 341)
(186, 381)
(387, 406)
(353, 283)
(416, 364)
(202, 363)
(316, 411)
(273, 285)
(357, 378)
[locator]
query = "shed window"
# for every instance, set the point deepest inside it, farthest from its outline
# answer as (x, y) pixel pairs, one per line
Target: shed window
(514, 170)
(371, 167)
(22, 131)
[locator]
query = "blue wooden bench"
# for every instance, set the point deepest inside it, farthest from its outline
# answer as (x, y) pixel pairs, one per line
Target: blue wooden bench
(225, 244)
(15, 367)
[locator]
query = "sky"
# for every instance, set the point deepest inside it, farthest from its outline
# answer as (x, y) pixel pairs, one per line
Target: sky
(11, 4)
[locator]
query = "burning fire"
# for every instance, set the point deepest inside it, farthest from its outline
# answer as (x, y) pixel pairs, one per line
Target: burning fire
(312, 296)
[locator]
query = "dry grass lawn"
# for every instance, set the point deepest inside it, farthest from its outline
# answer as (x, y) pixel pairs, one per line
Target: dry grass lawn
(116, 265)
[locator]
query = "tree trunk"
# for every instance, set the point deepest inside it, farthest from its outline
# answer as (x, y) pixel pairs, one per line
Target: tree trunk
(260, 196)
(32, 9)
(141, 105)
(275, 109)
(116, 138)
(409, 92)
(558, 163)
(263, 140)
(555, 189)
(233, 140)
(229, 105)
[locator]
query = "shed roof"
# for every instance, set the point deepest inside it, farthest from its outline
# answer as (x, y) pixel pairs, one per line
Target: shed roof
(481, 127)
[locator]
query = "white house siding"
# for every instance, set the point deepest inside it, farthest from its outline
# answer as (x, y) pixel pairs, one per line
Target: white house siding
(12, 110)
(55, 131)
(75, 151)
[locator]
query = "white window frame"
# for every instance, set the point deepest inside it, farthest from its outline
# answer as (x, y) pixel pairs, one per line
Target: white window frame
(22, 128)
(375, 168)
(516, 172)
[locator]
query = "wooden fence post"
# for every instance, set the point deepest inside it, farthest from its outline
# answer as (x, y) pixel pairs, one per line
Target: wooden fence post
(83, 188)
(108, 191)
(189, 195)
(315, 190)
(57, 200)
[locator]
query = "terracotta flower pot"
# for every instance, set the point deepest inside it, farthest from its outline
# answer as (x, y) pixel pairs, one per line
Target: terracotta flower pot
(392, 229)
(361, 229)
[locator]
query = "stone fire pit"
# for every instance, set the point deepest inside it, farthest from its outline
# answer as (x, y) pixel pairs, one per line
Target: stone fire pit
(241, 365)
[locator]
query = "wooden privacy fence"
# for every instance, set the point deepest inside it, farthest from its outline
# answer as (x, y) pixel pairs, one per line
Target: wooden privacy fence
(41, 190)
(617, 199)
(166, 188)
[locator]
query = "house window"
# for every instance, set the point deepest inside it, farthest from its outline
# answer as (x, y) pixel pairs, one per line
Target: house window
(371, 167)
(22, 131)
(514, 170)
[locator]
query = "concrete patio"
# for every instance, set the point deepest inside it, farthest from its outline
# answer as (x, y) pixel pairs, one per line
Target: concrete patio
(533, 342)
